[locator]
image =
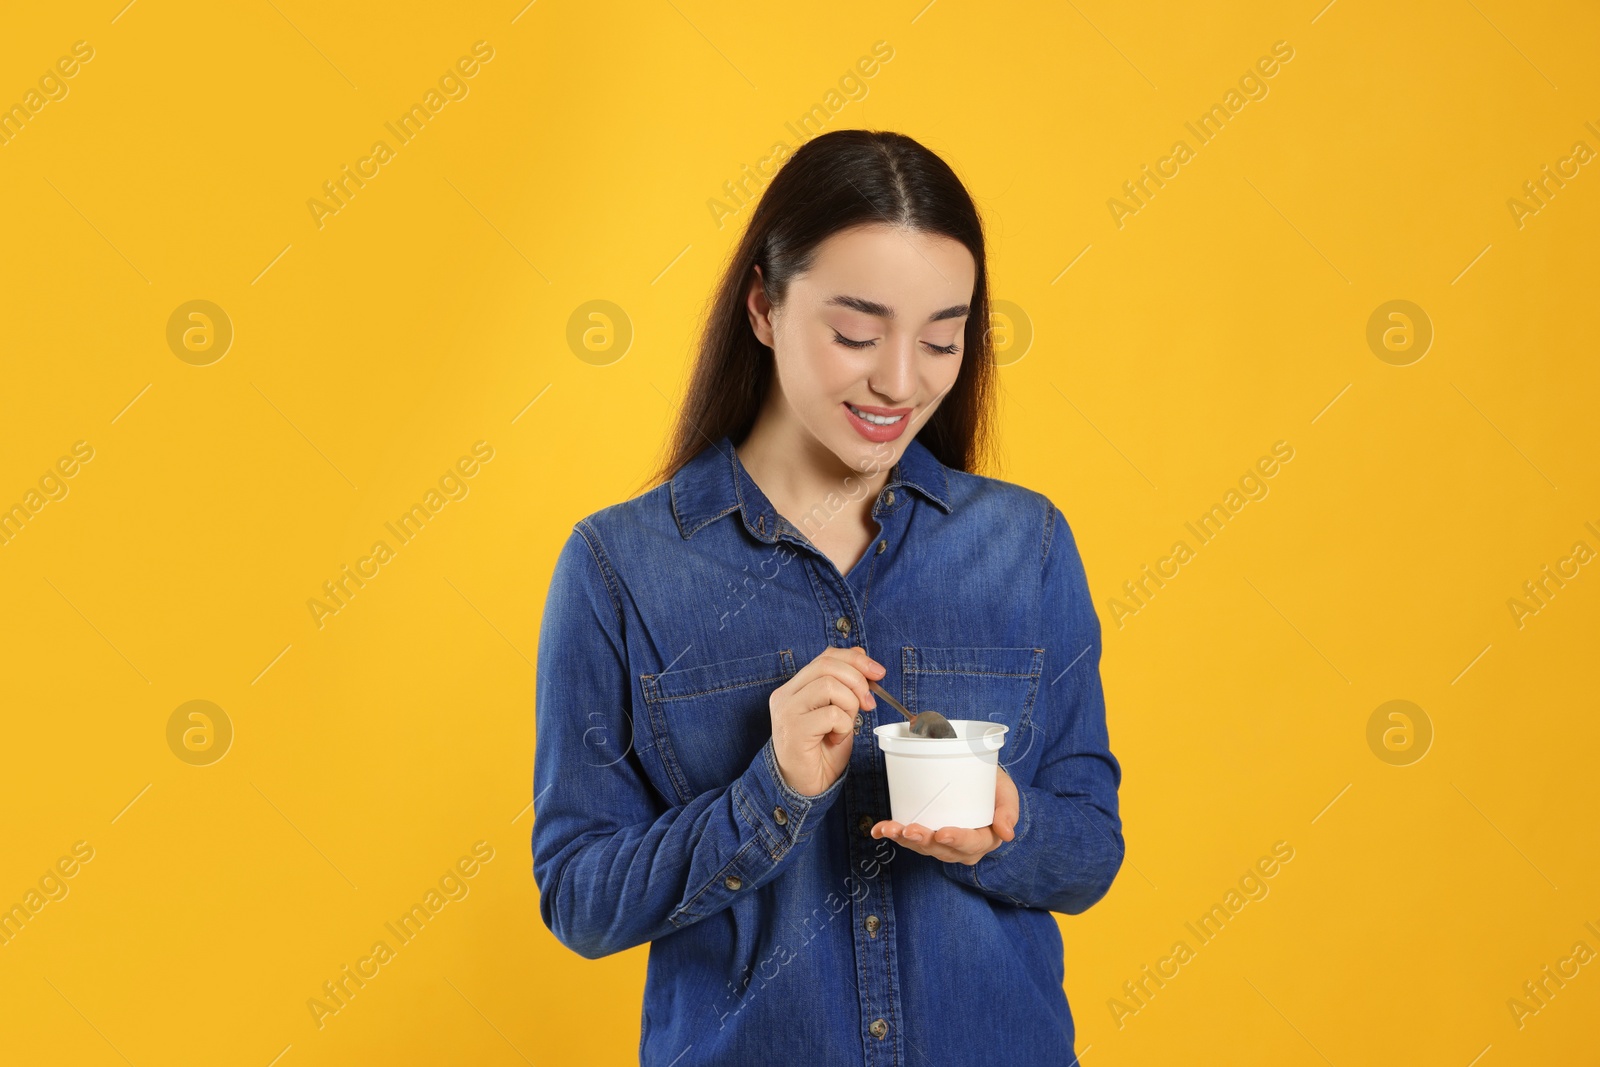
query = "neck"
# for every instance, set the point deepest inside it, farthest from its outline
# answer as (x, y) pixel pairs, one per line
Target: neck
(800, 475)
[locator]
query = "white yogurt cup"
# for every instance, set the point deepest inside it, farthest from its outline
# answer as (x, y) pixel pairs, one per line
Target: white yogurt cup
(944, 781)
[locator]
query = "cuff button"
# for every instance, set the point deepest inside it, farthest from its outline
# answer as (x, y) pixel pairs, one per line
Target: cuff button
(732, 881)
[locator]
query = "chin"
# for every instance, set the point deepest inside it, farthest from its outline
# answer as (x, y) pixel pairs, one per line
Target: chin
(869, 457)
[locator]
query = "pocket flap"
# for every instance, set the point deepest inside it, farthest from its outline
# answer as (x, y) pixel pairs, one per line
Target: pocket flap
(1018, 662)
(770, 669)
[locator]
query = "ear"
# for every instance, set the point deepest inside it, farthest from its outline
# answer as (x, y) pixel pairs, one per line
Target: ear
(759, 309)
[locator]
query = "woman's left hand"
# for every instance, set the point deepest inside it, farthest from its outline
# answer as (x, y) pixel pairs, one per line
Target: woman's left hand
(954, 844)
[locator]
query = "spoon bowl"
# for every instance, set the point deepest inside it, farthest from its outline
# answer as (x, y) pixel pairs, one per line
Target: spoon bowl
(923, 724)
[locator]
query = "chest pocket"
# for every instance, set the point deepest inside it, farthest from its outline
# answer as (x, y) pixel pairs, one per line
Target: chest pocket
(710, 720)
(994, 684)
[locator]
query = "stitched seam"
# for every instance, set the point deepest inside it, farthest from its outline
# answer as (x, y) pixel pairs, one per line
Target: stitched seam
(1033, 691)
(931, 494)
(714, 689)
(711, 519)
(908, 676)
(603, 563)
(888, 967)
(1049, 532)
(691, 531)
(742, 802)
(663, 746)
(678, 515)
(738, 494)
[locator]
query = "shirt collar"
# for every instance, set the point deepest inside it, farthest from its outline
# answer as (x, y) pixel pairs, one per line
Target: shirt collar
(714, 483)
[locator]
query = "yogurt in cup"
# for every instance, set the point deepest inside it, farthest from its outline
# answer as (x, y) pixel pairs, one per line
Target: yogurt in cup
(942, 781)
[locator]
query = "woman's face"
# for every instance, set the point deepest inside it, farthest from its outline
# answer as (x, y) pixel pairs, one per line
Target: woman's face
(876, 328)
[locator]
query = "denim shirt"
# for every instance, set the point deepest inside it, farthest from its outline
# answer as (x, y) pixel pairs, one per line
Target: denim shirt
(781, 931)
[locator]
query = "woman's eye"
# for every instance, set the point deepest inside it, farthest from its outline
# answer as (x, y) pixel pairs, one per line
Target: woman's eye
(837, 336)
(943, 350)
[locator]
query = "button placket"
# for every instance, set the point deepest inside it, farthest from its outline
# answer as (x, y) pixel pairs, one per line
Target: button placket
(869, 890)
(871, 909)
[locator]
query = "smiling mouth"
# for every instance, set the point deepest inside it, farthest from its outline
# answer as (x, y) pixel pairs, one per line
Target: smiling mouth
(873, 418)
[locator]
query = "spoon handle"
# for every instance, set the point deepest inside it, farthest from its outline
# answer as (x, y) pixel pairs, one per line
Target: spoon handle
(880, 691)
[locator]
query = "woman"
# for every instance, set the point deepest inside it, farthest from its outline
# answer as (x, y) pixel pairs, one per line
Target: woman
(706, 774)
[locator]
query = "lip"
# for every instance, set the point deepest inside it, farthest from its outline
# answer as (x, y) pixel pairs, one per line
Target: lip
(877, 433)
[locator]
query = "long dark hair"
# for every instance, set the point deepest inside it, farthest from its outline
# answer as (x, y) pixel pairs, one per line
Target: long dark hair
(837, 180)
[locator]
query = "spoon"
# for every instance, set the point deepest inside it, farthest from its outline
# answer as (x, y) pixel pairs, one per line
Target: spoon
(923, 724)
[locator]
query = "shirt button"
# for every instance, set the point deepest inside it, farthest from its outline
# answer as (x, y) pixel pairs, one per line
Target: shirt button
(888, 498)
(882, 545)
(732, 881)
(864, 824)
(878, 1028)
(842, 624)
(858, 723)
(780, 816)
(872, 924)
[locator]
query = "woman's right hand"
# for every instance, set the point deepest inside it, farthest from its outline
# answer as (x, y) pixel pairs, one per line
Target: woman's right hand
(814, 717)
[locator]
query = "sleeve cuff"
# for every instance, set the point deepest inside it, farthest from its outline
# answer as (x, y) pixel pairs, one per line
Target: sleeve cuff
(778, 813)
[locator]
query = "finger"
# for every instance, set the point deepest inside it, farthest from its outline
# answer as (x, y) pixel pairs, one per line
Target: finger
(1005, 820)
(950, 844)
(924, 847)
(830, 724)
(968, 845)
(825, 676)
(1006, 806)
(844, 727)
(901, 834)
(962, 841)
(851, 675)
(853, 655)
(829, 692)
(857, 656)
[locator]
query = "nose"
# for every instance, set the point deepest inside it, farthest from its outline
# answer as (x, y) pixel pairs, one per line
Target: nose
(894, 378)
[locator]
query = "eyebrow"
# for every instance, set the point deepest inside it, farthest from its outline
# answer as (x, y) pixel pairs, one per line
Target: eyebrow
(884, 311)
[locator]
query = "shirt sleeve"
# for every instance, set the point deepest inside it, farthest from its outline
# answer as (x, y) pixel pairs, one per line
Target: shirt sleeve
(615, 864)
(1068, 844)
